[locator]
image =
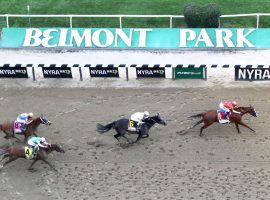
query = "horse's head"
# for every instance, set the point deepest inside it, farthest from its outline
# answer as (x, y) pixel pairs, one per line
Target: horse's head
(157, 118)
(56, 147)
(252, 111)
(44, 120)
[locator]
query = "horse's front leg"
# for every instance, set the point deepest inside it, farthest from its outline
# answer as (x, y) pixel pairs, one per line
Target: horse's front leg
(243, 124)
(237, 127)
(47, 162)
(145, 135)
(138, 138)
(31, 166)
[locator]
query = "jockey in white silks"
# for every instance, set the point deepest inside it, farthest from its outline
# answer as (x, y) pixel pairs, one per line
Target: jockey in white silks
(139, 117)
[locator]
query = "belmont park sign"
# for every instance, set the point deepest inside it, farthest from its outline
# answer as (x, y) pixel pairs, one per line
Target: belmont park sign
(134, 38)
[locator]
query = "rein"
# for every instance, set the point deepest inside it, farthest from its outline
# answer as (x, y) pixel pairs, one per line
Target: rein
(242, 110)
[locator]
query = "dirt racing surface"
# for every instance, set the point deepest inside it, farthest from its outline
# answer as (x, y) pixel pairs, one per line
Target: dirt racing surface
(220, 165)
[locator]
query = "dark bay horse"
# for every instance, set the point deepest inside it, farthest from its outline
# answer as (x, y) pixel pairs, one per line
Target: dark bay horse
(121, 127)
(211, 116)
(8, 127)
(18, 151)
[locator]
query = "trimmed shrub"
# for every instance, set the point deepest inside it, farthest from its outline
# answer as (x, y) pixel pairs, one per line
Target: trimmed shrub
(206, 16)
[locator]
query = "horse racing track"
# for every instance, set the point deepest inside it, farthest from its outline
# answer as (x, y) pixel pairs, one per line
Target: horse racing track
(220, 165)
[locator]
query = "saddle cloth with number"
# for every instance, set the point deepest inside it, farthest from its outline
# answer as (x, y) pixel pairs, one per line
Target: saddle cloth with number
(17, 127)
(221, 117)
(132, 125)
(29, 152)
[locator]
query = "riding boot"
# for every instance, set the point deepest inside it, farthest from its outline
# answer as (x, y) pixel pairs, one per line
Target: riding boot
(226, 115)
(35, 151)
(23, 127)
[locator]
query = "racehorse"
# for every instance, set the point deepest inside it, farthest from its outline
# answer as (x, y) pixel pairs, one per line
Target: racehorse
(121, 127)
(211, 116)
(8, 127)
(14, 152)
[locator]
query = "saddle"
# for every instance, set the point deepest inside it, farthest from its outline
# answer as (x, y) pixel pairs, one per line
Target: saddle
(221, 117)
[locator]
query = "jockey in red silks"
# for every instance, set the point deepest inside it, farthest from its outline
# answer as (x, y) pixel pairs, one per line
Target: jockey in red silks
(226, 106)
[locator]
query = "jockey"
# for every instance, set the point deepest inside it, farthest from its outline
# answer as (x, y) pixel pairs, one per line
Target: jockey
(226, 106)
(139, 117)
(25, 119)
(37, 142)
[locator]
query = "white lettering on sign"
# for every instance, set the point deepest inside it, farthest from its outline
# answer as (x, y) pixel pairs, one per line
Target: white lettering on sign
(7, 71)
(64, 71)
(256, 74)
(222, 38)
(98, 71)
(145, 72)
(241, 74)
(51, 72)
(62, 37)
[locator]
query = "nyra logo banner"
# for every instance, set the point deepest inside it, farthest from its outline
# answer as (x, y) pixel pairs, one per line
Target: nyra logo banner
(57, 72)
(150, 72)
(134, 38)
(252, 74)
(100, 71)
(13, 72)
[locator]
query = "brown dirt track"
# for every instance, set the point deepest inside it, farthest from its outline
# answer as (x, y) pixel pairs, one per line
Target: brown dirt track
(221, 165)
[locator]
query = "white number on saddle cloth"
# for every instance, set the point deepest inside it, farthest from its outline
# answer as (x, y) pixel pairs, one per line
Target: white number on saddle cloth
(17, 127)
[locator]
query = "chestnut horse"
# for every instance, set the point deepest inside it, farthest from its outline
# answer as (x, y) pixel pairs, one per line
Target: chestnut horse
(211, 116)
(18, 151)
(8, 127)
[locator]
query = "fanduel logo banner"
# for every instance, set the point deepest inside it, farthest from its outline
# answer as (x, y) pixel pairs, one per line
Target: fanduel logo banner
(252, 74)
(156, 38)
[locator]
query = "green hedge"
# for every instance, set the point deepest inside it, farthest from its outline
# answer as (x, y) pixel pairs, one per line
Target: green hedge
(206, 16)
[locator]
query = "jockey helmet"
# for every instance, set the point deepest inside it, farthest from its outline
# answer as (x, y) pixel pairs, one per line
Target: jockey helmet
(145, 114)
(234, 103)
(42, 139)
(31, 115)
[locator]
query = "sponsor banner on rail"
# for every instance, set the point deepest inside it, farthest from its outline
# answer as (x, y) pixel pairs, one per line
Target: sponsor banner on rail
(13, 72)
(100, 71)
(252, 74)
(150, 72)
(190, 73)
(57, 72)
(135, 38)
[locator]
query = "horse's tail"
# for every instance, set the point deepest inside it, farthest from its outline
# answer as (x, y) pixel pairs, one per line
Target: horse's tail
(103, 129)
(3, 151)
(198, 115)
